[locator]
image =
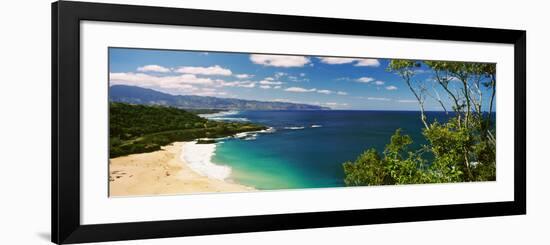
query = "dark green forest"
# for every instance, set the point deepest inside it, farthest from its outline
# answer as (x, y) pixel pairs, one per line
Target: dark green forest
(141, 128)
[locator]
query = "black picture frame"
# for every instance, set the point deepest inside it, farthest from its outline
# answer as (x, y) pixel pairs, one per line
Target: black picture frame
(66, 18)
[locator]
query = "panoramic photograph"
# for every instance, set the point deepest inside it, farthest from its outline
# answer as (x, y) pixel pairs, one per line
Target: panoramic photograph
(190, 122)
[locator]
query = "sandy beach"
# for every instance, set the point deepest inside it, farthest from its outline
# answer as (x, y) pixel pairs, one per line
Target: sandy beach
(162, 172)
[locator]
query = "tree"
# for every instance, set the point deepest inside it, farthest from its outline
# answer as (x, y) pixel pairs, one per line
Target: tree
(467, 100)
(397, 166)
(460, 149)
(407, 69)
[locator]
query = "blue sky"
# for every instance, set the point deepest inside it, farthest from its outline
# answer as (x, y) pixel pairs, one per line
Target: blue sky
(336, 82)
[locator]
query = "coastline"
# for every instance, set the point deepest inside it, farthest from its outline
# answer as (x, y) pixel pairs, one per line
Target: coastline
(168, 171)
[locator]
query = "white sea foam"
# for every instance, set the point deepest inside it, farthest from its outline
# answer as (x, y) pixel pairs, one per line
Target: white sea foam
(294, 128)
(252, 135)
(219, 114)
(222, 138)
(316, 126)
(268, 130)
(241, 135)
(233, 119)
(224, 116)
(199, 158)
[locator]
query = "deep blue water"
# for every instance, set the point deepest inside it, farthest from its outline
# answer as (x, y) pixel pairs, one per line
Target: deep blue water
(292, 157)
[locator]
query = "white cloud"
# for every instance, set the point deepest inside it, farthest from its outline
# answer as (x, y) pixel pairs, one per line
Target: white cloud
(277, 87)
(211, 70)
(358, 62)
(297, 79)
(341, 93)
(378, 98)
(178, 84)
(368, 62)
(324, 91)
(153, 68)
(242, 84)
(379, 82)
(305, 90)
(391, 87)
(280, 74)
(365, 79)
(336, 61)
(282, 100)
(265, 86)
(141, 79)
(407, 101)
(210, 93)
(295, 101)
(270, 82)
(302, 74)
(300, 90)
(342, 79)
(335, 104)
(192, 79)
(243, 76)
(249, 85)
(279, 60)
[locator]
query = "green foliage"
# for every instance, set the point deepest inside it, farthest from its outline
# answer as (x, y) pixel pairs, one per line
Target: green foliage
(368, 169)
(397, 65)
(405, 69)
(397, 166)
(451, 155)
(206, 141)
(128, 121)
(463, 68)
(403, 166)
(462, 149)
(141, 128)
(448, 144)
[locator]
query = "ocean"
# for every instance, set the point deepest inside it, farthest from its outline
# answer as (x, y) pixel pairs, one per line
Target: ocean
(306, 149)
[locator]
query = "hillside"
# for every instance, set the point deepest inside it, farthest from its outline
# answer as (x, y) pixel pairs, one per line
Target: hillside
(141, 128)
(138, 95)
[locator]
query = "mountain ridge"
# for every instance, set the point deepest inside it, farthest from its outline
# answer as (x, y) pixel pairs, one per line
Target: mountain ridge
(145, 96)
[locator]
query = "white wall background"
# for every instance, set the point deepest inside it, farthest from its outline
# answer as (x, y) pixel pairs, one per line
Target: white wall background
(25, 121)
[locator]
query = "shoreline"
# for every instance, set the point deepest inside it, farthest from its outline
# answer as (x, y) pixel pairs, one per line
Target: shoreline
(168, 171)
(198, 158)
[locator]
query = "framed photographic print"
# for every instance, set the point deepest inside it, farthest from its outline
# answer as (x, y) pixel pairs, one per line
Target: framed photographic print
(176, 122)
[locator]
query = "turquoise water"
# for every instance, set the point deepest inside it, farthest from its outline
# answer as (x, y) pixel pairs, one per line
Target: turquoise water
(297, 155)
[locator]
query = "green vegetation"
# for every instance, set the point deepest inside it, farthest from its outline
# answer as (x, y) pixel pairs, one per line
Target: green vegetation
(460, 150)
(141, 128)
(206, 141)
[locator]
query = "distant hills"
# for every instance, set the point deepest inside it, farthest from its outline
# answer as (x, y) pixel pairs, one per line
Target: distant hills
(138, 95)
